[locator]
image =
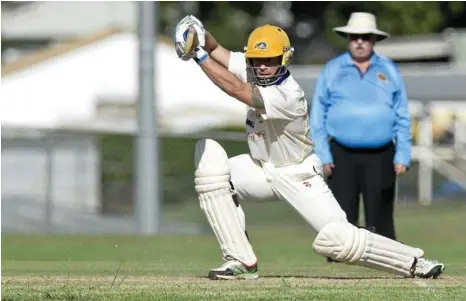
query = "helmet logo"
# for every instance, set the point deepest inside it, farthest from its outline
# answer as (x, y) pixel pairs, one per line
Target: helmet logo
(262, 46)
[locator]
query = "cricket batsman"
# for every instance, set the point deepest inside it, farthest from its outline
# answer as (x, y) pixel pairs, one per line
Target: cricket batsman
(281, 162)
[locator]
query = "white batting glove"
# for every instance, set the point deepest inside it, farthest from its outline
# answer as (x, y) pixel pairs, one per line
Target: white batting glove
(181, 32)
(190, 19)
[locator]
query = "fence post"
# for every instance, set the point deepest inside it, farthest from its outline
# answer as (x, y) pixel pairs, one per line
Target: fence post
(49, 151)
(425, 182)
(459, 134)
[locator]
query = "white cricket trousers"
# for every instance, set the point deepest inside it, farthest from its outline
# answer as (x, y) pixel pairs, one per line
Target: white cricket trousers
(301, 185)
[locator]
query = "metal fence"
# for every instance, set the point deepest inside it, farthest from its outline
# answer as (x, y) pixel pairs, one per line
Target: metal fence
(81, 180)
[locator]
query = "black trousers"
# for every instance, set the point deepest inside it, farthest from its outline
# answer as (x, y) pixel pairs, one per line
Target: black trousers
(370, 172)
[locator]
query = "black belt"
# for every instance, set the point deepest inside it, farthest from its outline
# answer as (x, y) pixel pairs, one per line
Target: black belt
(379, 149)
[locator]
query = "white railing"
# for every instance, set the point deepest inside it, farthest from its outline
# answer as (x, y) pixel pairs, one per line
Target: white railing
(431, 157)
(438, 158)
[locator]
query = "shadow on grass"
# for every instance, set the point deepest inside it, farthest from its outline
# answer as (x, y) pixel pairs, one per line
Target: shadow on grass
(324, 277)
(331, 277)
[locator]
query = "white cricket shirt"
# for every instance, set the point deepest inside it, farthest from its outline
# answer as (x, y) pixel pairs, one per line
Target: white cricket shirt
(280, 135)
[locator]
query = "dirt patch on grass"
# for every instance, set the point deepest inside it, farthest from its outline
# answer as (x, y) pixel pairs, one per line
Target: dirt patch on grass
(270, 281)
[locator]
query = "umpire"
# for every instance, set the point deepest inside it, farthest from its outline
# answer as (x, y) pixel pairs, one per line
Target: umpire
(361, 125)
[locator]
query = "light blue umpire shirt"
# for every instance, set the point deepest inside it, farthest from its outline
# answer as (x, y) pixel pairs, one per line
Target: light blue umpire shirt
(360, 110)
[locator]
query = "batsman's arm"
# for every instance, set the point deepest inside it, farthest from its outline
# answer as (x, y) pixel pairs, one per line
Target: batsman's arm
(245, 92)
(216, 51)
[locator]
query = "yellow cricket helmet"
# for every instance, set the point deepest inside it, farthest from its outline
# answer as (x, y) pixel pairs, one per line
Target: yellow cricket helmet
(264, 42)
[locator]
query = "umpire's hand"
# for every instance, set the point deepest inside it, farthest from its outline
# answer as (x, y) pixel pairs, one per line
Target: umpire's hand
(399, 169)
(328, 169)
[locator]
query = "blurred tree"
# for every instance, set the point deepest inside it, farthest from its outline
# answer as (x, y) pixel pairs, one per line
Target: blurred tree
(230, 25)
(311, 29)
(454, 14)
(229, 22)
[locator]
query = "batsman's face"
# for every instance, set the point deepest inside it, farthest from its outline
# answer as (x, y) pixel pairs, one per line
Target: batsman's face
(265, 67)
(361, 46)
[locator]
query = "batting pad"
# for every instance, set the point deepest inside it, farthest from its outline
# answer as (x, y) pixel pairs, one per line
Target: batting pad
(346, 243)
(212, 183)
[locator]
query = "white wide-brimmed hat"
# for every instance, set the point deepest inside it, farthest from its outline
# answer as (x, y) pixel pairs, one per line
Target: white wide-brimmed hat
(361, 23)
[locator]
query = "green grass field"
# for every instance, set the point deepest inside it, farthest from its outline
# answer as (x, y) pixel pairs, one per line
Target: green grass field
(114, 267)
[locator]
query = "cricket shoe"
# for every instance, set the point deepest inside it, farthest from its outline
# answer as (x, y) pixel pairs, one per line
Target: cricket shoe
(233, 269)
(425, 268)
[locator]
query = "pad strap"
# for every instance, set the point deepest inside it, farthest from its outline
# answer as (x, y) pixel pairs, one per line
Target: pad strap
(210, 181)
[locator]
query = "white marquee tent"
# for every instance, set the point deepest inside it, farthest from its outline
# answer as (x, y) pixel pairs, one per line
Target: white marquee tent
(66, 89)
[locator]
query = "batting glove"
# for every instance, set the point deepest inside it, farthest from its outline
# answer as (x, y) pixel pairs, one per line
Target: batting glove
(181, 33)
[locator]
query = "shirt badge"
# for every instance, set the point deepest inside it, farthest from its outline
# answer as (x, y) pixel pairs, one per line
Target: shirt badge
(382, 77)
